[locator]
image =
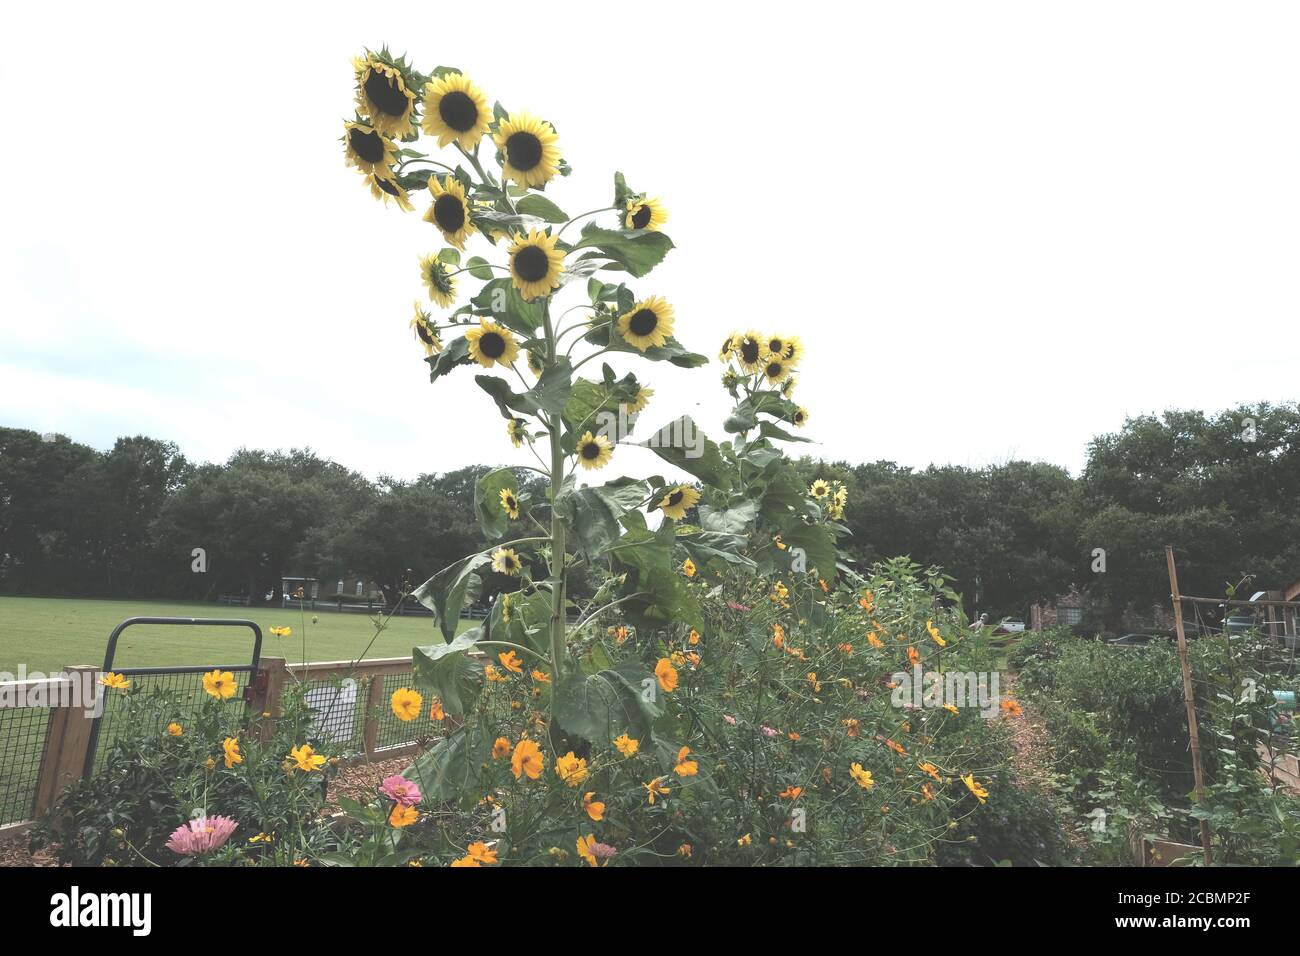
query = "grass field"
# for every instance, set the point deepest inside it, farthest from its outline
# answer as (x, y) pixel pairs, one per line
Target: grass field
(47, 634)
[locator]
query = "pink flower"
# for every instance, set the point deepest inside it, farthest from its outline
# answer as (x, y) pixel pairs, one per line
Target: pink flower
(201, 835)
(729, 719)
(737, 607)
(603, 851)
(768, 731)
(400, 790)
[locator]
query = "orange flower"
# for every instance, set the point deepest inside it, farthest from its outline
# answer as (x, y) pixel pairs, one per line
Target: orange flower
(584, 849)
(500, 748)
(932, 770)
(896, 748)
(790, 793)
(693, 658)
(853, 726)
(693, 638)
(825, 587)
(951, 708)
(626, 745)
(688, 568)
(685, 768)
(527, 759)
(685, 850)
(571, 769)
(861, 777)
(541, 676)
(511, 662)
(875, 642)
(1011, 707)
(912, 656)
(816, 684)
(479, 851)
(793, 735)
(846, 649)
(403, 816)
(595, 808)
(927, 792)
(656, 788)
(778, 634)
(666, 674)
(435, 710)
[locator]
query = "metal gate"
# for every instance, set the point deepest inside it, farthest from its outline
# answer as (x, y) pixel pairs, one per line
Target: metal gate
(170, 677)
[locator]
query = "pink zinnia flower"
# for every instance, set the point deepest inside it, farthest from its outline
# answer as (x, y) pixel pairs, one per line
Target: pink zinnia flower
(603, 851)
(729, 719)
(768, 731)
(401, 790)
(201, 835)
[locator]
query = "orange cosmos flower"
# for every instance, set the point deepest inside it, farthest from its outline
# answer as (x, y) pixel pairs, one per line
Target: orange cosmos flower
(853, 726)
(656, 788)
(541, 677)
(861, 777)
(1011, 707)
(912, 656)
(480, 852)
(572, 770)
(685, 768)
(403, 816)
(790, 793)
(435, 710)
(626, 745)
(932, 770)
(875, 642)
(511, 662)
(666, 674)
(500, 748)
(595, 808)
(527, 759)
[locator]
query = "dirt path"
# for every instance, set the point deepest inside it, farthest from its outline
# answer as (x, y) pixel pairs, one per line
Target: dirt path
(1034, 760)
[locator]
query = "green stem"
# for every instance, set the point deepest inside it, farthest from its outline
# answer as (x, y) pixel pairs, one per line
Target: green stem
(557, 530)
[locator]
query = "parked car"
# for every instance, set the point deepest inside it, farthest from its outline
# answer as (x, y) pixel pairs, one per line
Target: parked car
(1011, 625)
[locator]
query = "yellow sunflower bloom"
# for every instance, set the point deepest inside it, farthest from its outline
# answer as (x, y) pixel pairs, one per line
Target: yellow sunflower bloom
(424, 333)
(750, 352)
(678, 501)
(439, 280)
(645, 214)
(820, 489)
(384, 187)
(510, 504)
(506, 561)
(775, 370)
(530, 154)
(517, 430)
(369, 150)
(455, 109)
(491, 344)
(594, 451)
(642, 399)
(729, 346)
(648, 323)
(382, 96)
(450, 210)
(535, 264)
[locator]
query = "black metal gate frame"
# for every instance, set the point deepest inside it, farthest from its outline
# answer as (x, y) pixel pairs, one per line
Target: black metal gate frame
(250, 668)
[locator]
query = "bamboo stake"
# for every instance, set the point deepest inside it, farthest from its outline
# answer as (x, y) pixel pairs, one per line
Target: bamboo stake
(1190, 700)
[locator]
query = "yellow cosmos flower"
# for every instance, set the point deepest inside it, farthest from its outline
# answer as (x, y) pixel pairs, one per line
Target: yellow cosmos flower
(572, 770)
(688, 568)
(666, 674)
(594, 451)
(511, 662)
(595, 808)
(645, 214)
(535, 264)
(382, 96)
(931, 769)
(527, 759)
(230, 746)
(951, 708)
(875, 642)
(678, 501)
(506, 561)
(746, 840)
(174, 729)
(934, 634)
(282, 631)
(306, 758)
(481, 852)
(584, 849)
(685, 768)
(861, 777)
(115, 681)
(455, 109)
(626, 745)
(368, 150)
(406, 703)
(500, 748)
(450, 210)
(530, 149)
(509, 504)
(648, 323)
(220, 684)
(403, 816)
(980, 793)
(655, 788)
(438, 280)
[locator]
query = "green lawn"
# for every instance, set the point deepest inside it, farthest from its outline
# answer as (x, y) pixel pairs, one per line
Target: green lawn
(46, 634)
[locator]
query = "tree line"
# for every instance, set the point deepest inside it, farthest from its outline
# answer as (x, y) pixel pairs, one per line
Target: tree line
(1223, 489)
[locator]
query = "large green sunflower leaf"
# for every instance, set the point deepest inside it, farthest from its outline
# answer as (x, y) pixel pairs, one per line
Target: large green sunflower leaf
(595, 405)
(492, 517)
(647, 558)
(448, 671)
(457, 353)
(541, 207)
(769, 430)
(637, 250)
(551, 393)
(735, 520)
(599, 707)
(452, 768)
(445, 593)
(706, 547)
(593, 514)
(500, 300)
(684, 444)
(816, 544)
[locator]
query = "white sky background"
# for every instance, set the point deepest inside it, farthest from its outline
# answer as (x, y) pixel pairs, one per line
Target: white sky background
(999, 227)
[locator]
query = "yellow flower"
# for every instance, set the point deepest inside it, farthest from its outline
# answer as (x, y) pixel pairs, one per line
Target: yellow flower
(455, 109)
(688, 568)
(517, 430)
(527, 759)
(862, 777)
(594, 451)
(442, 289)
(491, 344)
(693, 638)
(382, 96)
(626, 745)
(931, 769)
(775, 370)
(645, 214)
(368, 150)
(595, 809)
(220, 684)
(666, 674)
(530, 150)
(641, 400)
(853, 726)
(648, 323)
(875, 641)
(800, 417)
(535, 263)
(746, 840)
(403, 816)
(656, 788)
(174, 729)
(210, 764)
(934, 634)
(685, 850)
(816, 684)
(481, 852)
(678, 501)
(685, 768)
(506, 561)
(980, 793)
(495, 675)
(584, 849)
(306, 758)
(406, 703)
(231, 747)
(116, 681)
(282, 631)
(913, 656)
(820, 489)
(750, 351)
(450, 210)
(951, 708)
(572, 770)
(464, 861)
(424, 332)
(511, 662)
(509, 504)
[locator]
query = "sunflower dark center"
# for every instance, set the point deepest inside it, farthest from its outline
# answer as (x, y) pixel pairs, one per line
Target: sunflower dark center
(774, 369)
(492, 344)
(641, 218)
(524, 150)
(510, 502)
(675, 498)
(449, 212)
(458, 111)
(387, 185)
(368, 145)
(384, 93)
(508, 562)
(423, 333)
(776, 346)
(749, 350)
(591, 451)
(532, 263)
(643, 322)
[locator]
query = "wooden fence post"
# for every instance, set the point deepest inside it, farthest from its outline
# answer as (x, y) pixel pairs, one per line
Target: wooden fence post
(67, 739)
(265, 694)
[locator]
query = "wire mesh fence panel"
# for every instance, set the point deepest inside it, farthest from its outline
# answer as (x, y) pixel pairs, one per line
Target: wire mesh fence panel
(393, 731)
(22, 740)
(187, 687)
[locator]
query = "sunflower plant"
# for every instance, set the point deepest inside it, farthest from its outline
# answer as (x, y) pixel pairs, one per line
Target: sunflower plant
(533, 320)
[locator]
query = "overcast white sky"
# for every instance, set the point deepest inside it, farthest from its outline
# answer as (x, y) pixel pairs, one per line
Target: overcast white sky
(999, 227)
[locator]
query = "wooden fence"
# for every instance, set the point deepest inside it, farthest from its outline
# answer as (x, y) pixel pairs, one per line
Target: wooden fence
(45, 728)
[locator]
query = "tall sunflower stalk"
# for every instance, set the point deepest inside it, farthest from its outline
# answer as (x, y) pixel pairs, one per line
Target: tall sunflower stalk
(488, 185)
